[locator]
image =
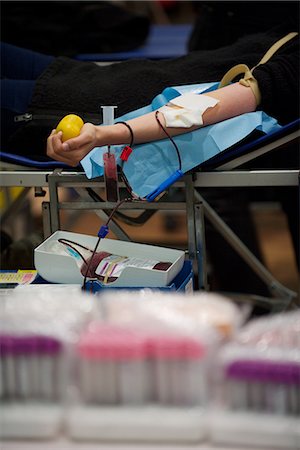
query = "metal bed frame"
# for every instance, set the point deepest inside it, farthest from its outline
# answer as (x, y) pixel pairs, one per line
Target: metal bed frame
(196, 207)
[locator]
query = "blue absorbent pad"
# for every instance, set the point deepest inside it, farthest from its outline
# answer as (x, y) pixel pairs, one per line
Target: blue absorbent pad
(151, 164)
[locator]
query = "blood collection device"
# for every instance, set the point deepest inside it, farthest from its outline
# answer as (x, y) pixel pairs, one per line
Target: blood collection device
(109, 161)
(111, 176)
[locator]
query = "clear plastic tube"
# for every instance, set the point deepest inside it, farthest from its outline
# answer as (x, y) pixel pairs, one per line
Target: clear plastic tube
(109, 159)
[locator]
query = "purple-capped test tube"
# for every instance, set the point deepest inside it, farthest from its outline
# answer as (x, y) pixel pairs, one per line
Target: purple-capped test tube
(283, 387)
(8, 369)
(25, 360)
(28, 367)
(265, 384)
(246, 389)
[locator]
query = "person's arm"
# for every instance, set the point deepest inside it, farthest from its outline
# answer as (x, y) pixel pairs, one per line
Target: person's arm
(234, 100)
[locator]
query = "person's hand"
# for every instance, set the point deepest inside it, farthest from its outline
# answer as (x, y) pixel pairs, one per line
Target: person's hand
(73, 150)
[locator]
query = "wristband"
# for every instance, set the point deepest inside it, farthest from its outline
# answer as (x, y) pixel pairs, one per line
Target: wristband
(130, 131)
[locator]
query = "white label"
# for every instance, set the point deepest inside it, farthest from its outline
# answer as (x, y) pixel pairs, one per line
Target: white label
(113, 265)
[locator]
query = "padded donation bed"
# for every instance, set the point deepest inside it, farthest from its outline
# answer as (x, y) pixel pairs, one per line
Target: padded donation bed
(220, 171)
(235, 156)
(231, 158)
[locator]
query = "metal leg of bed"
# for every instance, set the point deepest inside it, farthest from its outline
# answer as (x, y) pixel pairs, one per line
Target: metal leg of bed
(276, 289)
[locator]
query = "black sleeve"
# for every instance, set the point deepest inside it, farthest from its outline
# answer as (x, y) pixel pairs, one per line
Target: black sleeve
(278, 80)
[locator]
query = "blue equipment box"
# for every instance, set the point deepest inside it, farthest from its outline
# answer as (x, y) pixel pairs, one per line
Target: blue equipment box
(183, 282)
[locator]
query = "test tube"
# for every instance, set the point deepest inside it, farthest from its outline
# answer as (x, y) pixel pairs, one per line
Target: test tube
(111, 177)
(106, 380)
(237, 385)
(283, 375)
(98, 381)
(134, 380)
(26, 347)
(179, 371)
(84, 381)
(7, 348)
(195, 373)
(109, 160)
(49, 350)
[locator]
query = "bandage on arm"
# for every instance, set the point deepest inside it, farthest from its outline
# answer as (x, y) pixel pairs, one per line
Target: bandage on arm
(186, 110)
(216, 106)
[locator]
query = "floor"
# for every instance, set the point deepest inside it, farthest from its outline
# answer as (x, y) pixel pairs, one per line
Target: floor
(276, 245)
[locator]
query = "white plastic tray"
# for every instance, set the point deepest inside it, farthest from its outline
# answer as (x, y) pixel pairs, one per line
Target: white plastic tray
(260, 430)
(63, 268)
(149, 424)
(30, 421)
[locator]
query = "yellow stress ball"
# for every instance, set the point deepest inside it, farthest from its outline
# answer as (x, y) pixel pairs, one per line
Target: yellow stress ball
(70, 126)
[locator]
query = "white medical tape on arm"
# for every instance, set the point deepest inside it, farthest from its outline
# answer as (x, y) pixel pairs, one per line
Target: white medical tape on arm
(186, 110)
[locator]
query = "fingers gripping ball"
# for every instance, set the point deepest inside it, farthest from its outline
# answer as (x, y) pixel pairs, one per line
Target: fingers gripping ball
(70, 126)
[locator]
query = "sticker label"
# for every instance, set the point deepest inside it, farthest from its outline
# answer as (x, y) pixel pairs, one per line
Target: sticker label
(113, 265)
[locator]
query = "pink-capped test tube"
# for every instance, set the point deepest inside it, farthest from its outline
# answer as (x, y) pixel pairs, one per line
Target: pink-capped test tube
(180, 370)
(135, 377)
(112, 365)
(96, 367)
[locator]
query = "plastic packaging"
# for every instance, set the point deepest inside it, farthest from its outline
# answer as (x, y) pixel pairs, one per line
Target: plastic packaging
(136, 365)
(151, 347)
(258, 377)
(69, 249)
(38, 326)
(58, 311)
(265, 357)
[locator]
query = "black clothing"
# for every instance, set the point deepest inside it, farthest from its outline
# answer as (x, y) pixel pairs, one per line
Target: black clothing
(69, 85)
(278, 81)
(73, 27)
(219, 24)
